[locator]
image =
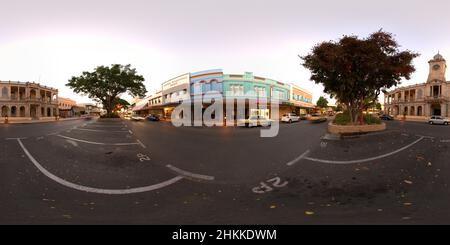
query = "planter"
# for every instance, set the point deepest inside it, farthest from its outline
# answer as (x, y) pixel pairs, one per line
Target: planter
(355, 129)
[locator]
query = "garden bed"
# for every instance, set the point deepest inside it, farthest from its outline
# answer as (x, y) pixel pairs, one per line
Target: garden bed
(355, 129)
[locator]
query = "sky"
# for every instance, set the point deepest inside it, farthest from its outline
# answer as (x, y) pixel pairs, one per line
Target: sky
(49, 41)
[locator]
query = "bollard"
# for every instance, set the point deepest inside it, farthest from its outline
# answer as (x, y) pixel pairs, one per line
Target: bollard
(6, 119)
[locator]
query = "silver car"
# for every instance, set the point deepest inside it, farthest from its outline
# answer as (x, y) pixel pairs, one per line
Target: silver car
(438, 120)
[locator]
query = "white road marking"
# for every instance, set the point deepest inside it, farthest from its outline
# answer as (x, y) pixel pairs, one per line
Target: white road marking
(16, 138)
(141, 144)
(75, 144)
(105, 126)
(367, 159)
(95, 143)
(445, 141)
(96, 190)
(98, 130)
(298, 159)
(131, 132)
(189, 174)
(426, 137)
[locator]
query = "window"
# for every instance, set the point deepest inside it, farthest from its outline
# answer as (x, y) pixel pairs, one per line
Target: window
(5, 92)
(260, 91)
(236, 90)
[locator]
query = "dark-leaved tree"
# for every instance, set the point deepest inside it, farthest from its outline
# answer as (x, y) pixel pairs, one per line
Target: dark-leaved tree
(353, 70)
(106, 84)
(322, 102)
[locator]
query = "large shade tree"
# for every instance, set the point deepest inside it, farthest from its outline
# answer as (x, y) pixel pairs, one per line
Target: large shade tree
(322, 102)
(353, 70)
(106, 84)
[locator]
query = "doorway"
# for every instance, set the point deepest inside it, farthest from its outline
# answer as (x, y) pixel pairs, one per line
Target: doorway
(436, 110)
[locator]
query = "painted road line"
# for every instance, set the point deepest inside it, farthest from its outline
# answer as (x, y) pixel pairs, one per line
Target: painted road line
(98, 130)
(97, 126)
(131, 132)
(92, 189)
(141, 144)
(96, 143)
(364, 160)
(189, 174)
(298, 159)
(426, 137)
(16, 138)
(445, 141)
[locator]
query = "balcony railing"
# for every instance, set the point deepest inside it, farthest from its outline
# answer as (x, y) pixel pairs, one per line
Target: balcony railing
(436, 98)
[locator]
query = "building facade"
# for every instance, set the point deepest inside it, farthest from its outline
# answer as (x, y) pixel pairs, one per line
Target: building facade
(27, 101)
(425, 99)
(66, 107)
(205, 86)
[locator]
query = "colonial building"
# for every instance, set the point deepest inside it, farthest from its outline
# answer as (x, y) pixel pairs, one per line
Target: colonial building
(27, 101)
(422, 100)
(66, 107)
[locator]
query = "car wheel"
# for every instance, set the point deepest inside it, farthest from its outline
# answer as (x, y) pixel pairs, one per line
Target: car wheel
(290, 121)
(431, 123)
(446, 123)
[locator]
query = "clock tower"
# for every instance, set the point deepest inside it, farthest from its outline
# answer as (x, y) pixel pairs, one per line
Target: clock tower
(438, 66)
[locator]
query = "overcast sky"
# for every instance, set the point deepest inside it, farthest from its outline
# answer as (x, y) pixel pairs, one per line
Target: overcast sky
(51, 40)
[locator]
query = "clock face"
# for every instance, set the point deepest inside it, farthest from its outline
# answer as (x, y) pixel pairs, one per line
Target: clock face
(436, 67)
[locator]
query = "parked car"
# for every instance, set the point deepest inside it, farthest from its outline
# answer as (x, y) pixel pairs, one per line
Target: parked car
(438, 120)
(255, 121)
(153, 118)
(318, 119)
(86, 117)
(386, 117)
(137, 118)
(290, 117)
(303, 116)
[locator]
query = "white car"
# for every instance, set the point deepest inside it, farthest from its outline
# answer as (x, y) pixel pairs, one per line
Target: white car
(438, 120)
(290, 117)
(137, 118)
(255, 121)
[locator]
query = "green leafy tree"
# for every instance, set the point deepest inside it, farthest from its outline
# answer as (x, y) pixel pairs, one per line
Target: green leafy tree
(353, 69)
(107, 84)
(322, 102)
(378, 106)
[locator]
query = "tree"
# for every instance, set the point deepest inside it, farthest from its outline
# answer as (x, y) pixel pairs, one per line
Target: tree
(353, 70)
(378, 106)
(119, 103)
(106, 84)
(322, 102)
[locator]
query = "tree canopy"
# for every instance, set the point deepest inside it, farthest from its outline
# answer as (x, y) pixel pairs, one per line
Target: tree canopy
(353, 70)
(106, 84)
(322, 102)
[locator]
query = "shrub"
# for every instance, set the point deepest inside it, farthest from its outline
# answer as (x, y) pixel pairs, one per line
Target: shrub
(344, 119)
(369, 119)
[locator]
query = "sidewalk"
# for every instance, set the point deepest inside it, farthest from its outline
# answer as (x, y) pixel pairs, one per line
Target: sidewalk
(2, 120)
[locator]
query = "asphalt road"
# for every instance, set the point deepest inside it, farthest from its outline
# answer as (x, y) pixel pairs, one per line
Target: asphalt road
(121, 172)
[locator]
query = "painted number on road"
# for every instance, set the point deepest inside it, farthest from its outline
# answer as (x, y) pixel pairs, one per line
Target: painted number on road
(269, 185)
(143, 157)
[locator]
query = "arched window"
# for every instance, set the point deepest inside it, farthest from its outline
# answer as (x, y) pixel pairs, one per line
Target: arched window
(5, 110)
(14, 111)
(4, 92)
(22, 111)
(419, 111)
